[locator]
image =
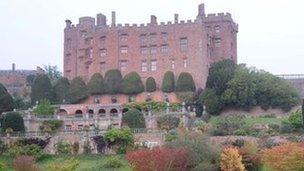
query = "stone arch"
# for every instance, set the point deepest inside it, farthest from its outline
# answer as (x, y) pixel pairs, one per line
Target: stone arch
(78, 114)
(62, 112)
(114, 112)
(102, 113)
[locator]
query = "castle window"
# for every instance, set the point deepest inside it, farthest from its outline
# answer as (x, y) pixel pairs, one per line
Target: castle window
(153, 49)
(164, 36)
(88, 41)
(144, 66)
(143, 38)
(123, 37)
(183, 44)
(152, 37)
(172, 63)
(83, 33)
(217, 29)
(68, 43)
(164, 48)
(123, 65)
(144, 50)
(89, 53)
(124, 49)
(68, 127)
(185, 63)
(103, 52)
(153, 65)
(102, 39)
(217, 42)
(103, 67)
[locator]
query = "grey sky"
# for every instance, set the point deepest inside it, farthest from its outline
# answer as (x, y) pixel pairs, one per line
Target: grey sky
(271, 32)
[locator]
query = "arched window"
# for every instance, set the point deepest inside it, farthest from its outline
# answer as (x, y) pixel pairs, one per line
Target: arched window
(102, 113)
(114, 112)
(124, 110)
(91, 113)
(78, 114)
(62, 112)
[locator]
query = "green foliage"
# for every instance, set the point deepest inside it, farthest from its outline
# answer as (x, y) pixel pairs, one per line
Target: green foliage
(20, 103)
(62, 91)
(168, 83)
(42, 89)
(54, 125)
(14, 121)
(132, 84)
(63, 148)
(220, 73)
(167, 122)
(97, 84)
(211, 101)
(150, 84)
(6, 100)
(152, 105)
(115, 136)
(227, 125)
(44, 108)
(113, 81)
(66, 165)
(52, 72)
(29, 150)
(113, 162)
(78, 90)
(185, 82)
(295, 118)
(134, 119)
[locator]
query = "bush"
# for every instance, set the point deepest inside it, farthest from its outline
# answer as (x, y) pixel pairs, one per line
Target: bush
(158, 159)
(288, 156)
(96, 84)
(44, 108)
(134, 119)
(14, 121)
(6, 100)
(211, 101)
(150, 84)
(167, 122)
(3, 147)
(113, 162)
(296, 119)
(36, 141)
(250, 155)
(113, 81)
(62, 91)
(54, 125)
(28, 150)
(168, 83)
(63, 148)
(152, 105)
(132, 84)
(101, 143)
(227, 125)
(75, 147)
(25, 163)
(42, 89)
(231, 160)
(185, 82)
(119, 137)
(66, 165)
(78, 90)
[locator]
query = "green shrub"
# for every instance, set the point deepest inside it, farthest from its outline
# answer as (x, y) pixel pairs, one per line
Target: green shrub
(14, 121)
(62, 91)
(3, 147)
(168, 83)
(150, 84)
(44, 108)
(119, 137)
(212, 101)
(96, 84)
(296, 119)
(66, 165)
(132, 83)
(75, 147)
(78, 90)
(42, 89)
(6, 100)
(28, 150)
(167, 122)
(113, 81)
(134, 119)
(54, 125)
(227, 125)
(113, 162)
(63, 148)
(185, 83)
(152, 105)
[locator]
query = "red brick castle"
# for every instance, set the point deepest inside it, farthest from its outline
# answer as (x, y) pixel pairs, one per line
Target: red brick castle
(149, 49)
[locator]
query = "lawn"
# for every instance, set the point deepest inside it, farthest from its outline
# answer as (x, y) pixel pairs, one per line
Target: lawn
(87, 162)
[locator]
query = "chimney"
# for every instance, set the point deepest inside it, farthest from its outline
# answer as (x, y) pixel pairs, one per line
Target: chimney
(101, 20)
(68, 23)
(175, 18)
(113, 19)
(153, 19)
(201, 10)
(13, 67)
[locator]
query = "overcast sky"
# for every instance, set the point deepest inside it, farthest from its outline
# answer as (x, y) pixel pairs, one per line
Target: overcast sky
(271, 32)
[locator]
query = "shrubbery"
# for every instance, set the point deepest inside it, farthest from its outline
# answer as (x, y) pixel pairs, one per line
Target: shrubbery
(185, 83)
(25, 163)
(113, 162)
(78, 90)
(63, 148)
(66, 165)
(44, 108)
(14, 121)
(150, 84)
(53, 125)
(168, 84)
(231, 160)
(42, 89)
(121, 138)
(113, 81)
(152, 105)
(167, 122)
(62, 91)
(29, 150)
(227, 125)
(134, 119)
(96, 84)
(6, 100)
(132, 84)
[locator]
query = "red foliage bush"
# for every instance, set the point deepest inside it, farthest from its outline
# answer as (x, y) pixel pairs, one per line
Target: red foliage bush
(160, 159)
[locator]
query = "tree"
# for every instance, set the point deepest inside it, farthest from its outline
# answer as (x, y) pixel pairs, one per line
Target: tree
(6, 100)
(168, 83)
(113, 80)
(167, 122)
(150, 84)
(78, 90)
(211, 101)
(96, 84)
(14, 121)
(62, 91)
(132, 84)
(220, 73)
(42, 89)
(134, 119)
(44, 108)
(53, 73)
(185, 82)
(231, 160)
(30, 79)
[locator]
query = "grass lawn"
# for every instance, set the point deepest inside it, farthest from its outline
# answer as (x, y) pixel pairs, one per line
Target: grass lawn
(87, 162)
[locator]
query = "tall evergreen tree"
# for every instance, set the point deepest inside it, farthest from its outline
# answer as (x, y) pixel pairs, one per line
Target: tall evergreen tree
(42, 89)
(168, 83)
(62, 90)
(6, 100)
(150, 84)
(132, 84)
(113, 80)
(185, 82)
(14, 121)
(78, 90)
(96, 84)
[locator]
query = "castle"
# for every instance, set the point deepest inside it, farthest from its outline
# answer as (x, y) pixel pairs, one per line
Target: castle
(149, 49)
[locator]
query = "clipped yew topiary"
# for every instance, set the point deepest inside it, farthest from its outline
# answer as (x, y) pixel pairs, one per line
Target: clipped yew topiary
(96, 84)
(42, 89)
(14, 121)
(113, 81)
(185, 82)
(168, 83)
(78, 90)
(132, 84)
(6, 100)
(150, 84)
(134, 119)
(62, 90)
